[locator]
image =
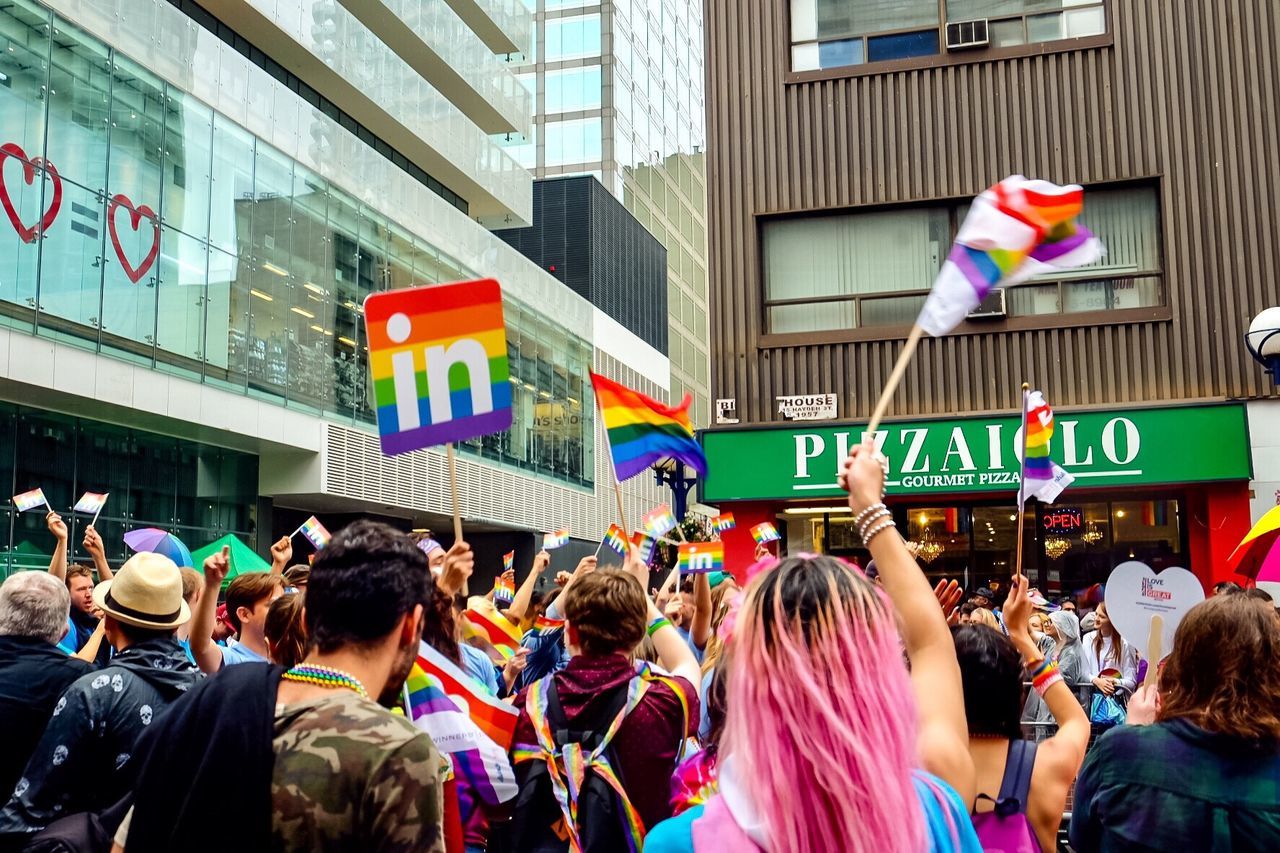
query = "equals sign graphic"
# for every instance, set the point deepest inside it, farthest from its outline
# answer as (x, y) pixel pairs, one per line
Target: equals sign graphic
(86, 213)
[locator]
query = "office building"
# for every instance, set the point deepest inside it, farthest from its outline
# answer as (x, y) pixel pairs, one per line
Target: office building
(616, 91)
(845, 143)
(198, 199)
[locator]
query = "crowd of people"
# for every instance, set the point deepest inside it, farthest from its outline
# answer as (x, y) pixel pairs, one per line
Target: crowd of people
(797, 704)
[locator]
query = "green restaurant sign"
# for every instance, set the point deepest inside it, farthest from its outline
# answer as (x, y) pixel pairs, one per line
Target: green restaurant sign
(1130, 447)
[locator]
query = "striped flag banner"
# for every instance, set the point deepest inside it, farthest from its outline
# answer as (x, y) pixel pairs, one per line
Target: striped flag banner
(701, 557)
(31, 500)
(90, 503)
(659, 521)
(615, 539)
(555, 539)
(723, 522)
(765, 532)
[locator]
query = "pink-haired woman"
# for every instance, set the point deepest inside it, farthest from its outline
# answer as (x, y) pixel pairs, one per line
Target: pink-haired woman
(829, 742)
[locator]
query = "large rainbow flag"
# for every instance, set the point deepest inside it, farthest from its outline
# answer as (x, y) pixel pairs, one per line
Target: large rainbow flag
(643, 431)
(472, 727)
(1041, 477)
(1014, 230)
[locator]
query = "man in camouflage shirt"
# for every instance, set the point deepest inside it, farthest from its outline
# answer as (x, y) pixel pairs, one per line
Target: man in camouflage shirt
(306, 759)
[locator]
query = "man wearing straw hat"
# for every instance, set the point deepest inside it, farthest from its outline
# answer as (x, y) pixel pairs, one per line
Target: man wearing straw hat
(80, 762)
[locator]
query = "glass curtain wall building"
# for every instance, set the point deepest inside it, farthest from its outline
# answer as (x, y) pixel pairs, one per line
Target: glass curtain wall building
(617, 91)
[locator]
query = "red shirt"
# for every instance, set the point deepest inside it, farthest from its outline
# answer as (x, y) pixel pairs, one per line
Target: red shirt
(647, 744)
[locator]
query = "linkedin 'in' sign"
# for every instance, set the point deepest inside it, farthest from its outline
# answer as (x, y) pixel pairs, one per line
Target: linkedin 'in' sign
(438, 358)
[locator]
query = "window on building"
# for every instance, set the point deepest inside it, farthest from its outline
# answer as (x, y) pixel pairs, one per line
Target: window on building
(571, 38)
(854, 270)
(571, 89)
(569, 142)
(841, 33)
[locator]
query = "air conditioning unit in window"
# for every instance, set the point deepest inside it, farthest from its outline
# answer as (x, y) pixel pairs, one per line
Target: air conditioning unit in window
(967, 35)
(991, 308)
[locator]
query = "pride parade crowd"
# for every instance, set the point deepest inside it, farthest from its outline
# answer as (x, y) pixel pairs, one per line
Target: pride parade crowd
(797, 704)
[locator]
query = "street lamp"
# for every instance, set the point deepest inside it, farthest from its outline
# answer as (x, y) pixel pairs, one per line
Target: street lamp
(1263, 341)
(680, 477)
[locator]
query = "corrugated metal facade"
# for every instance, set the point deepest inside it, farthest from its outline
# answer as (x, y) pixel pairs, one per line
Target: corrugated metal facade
(1187, 97)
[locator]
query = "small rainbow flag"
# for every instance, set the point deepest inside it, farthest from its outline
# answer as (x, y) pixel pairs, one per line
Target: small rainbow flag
(765, 532)
(615, 539)
(504, 591)
(1041, 477)
(315, 532)
(438, 360)
(465, 722)
(646, 546)
(723, 522)
(643, 431)
(508, 560)
(544, 623)
(31, 500)
(659, 521)
(555, 539)
(496, 627)
(90, 503)
(701, 557)
(1014, 230)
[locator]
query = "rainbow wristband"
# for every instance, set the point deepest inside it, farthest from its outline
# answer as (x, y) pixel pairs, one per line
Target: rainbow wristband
(1044, 676)
(1043, 665)
(657, 624)
(1042, 686)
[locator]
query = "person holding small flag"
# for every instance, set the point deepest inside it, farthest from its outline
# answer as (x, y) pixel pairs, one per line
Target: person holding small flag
(248, 600)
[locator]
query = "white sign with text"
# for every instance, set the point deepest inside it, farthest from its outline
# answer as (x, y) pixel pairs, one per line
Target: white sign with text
(807, 407)
(1135, 593)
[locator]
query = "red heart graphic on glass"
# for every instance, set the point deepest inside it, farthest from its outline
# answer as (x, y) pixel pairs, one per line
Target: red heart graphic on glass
(120, 200)
(28, 235)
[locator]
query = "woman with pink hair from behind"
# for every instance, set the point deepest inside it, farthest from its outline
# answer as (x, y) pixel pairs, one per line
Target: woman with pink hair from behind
(829, 742)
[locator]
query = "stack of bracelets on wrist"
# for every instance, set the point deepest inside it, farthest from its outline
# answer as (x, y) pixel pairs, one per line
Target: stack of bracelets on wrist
(1044, 676)
(658, 624)
(873, 520)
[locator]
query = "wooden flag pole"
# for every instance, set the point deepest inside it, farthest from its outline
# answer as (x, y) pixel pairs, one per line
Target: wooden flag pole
(904, 358)
(1022, 481)
(453, 491)
(1155, 642)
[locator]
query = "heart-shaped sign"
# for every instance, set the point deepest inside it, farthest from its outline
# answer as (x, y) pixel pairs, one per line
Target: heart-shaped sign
(136, 213)
(28, 235)
(1135, 593)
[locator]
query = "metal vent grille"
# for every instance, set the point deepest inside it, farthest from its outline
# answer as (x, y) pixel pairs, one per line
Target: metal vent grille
(966, 35)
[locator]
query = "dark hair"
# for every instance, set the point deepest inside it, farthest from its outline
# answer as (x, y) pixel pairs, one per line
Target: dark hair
(362, 583)
(606, 610)
(75, 571)
(1259, 595)
(296, 575)
(248, 591)
(991, 671)
(1225, 586)
(285, 633)
(1222, 673)
(967, 608)
(439, 627)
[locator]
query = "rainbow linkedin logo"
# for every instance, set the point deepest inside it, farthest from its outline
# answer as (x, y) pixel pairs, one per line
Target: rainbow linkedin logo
(438, 358)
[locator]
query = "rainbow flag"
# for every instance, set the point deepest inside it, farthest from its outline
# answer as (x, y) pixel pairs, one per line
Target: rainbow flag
(90, 503)
(1041, 477)
(508, 560)
(419, 337)
(765, 532)
(701, 557)
(643, 431)
(615, 539)
(723, 522)
(646, 546)
(504, 591)
(1014, 230)
(315, 532)
(465, 722)
(31, 500)
(659, 521)
(544, 623)
(496, 627)
(555, 539)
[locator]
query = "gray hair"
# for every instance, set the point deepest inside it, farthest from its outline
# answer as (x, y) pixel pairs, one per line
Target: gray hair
(34, 604)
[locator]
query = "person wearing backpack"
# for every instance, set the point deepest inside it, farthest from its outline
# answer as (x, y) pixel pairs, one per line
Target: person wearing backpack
(1022, 786)
(612, 726)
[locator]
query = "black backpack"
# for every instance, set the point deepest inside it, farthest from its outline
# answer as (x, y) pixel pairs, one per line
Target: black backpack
(539, 824)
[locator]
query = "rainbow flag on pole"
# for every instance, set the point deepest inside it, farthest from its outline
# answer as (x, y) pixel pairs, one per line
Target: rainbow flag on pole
(765, 532)
(90, 503)
(1041, 477)
(659, 521)
(315, 532)
(508, 560)
(701, 557)
(646, 546)
(723, 522)
(1014, 230)
(504, 591)
(615, 539)
(472, 727)
(643, 431)
(31, 500)
(555, 539)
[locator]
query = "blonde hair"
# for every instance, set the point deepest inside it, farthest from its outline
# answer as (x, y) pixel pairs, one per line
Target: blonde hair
(983, 616)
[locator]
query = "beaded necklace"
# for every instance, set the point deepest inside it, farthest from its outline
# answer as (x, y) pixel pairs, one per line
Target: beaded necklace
(324, 676)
